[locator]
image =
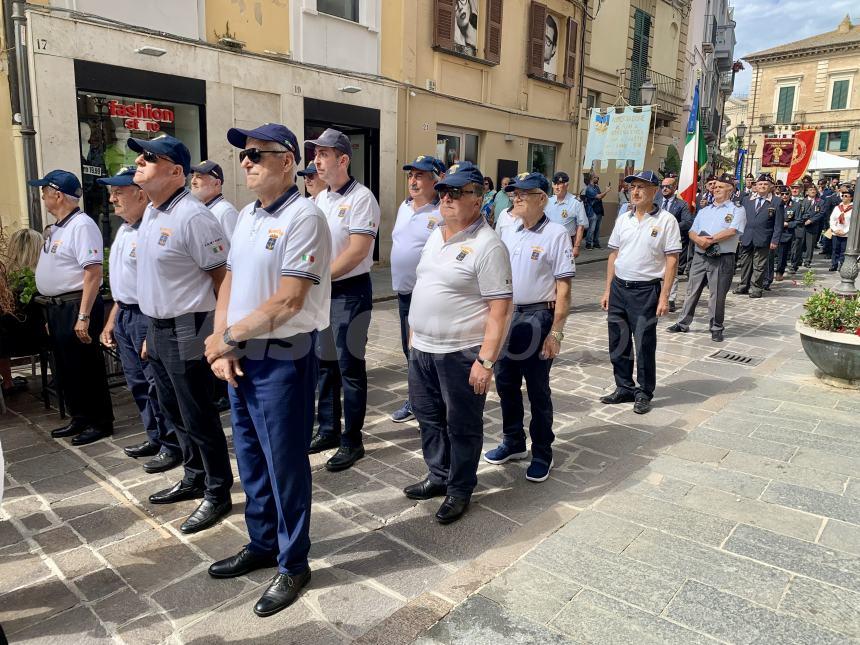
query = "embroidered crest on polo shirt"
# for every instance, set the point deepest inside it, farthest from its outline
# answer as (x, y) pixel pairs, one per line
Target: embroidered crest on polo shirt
(342, 209)
(274, 234)
(431, 223)
(133, 252)
(55, 246)
(654, 231)
(564, 213)
(464, 251)
(536, 251)
(165, 234)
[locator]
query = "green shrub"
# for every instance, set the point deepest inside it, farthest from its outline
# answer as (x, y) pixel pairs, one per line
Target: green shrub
(828, 311)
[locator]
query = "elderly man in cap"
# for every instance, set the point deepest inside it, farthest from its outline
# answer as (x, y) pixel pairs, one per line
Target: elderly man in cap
(353, 217)
(764, 219)
(182, 253)
(542, 266)
(207, 180)
(68, 277)
(126, 326)
(417, 218)
(272, 303)
(567, 209)
(793, 205)
(714, 234)
(313, 184)
(645, 244)
(458, 318)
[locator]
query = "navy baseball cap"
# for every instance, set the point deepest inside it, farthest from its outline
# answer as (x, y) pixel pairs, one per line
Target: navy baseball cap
(441, 168)
(726, 178)
(310, 170)
(125, 177)
(266, 132)
(61, 180)
(527, 181)
(560, 177)
(209, 168)
(644, 175)
(332, 138)
(424, 164)
(461, 174)
(165, 146)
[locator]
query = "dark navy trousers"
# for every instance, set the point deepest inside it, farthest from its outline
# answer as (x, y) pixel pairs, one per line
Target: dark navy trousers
(522, 359)
(130, 332)
(404, 301)
(633, 319)
(450, 415)
(341, 348)
(273, 418)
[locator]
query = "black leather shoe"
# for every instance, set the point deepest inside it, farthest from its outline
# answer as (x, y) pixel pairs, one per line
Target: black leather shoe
(161, 462)
(618, 396)
(717, 336)
(740, 291)
(70, 430)
(452, 509)
(755, 294)
(425, 490)
(91, 435)
(282, 593)
(344, 458)
(243, 562)
(320, 443)
(676, 329)
(145, 449)
(207, 514)
(642, 406)
(671, 306)
(177, 493)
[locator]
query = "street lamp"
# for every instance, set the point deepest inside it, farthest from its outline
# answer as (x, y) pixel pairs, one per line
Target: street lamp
(848, 273)
(647, 92)
(753, 148)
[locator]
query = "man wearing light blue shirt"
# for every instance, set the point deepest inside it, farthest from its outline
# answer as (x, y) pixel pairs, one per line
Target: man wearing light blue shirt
(715, 233)
(567, 209)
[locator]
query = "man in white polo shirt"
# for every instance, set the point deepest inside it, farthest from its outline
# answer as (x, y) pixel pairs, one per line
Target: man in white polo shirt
(542, 265)
(182, 253)
(353, 219)
(458, 318)
(417, 217)
(567, 209)
(207, 181)
(272, 303)
(640, 270)
(68, 277)
(126, 327)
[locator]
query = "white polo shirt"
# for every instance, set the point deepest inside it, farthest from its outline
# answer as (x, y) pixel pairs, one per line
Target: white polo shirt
(506, 220)
(290, 238)
(225, 213)
(178, 242)
(455, 280)
(643, 246)
(411, 230)
(352, 210)
(569, 212)
(123, 264)
(539, 256)
(72, 245)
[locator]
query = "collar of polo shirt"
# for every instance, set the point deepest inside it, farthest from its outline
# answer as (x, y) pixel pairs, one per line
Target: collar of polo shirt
(538, 225)
(276, 205)
(343, 189)
(171, 201)
(655, 210)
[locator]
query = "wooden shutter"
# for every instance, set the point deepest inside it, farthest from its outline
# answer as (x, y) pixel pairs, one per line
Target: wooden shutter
(571, 58)
(537, 33)
(493, 44)
(822, 142)
(839, 100)
(639, 55)
(843, 140)
(443, 24)
(785, 105)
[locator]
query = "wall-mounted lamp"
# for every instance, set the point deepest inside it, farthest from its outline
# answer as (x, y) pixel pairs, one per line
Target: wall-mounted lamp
(150, 51)
(509, 137)
(349, 89)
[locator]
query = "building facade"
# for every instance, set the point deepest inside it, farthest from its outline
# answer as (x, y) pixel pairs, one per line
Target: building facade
(810, 83)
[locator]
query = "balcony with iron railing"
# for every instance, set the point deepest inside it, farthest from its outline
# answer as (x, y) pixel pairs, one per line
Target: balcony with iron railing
(724, 45)
(727, 82)
(668, 97)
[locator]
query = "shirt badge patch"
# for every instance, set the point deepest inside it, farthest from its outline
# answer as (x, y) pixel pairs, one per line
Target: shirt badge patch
(308, 258)
(771, 212)
(654, 231)
(729, 218)
(165, 234)
(536, 251)
(342, 209)
(464, 251)
(564, 214)
(133, 252)
(55, 246)
(431, 223)
(274, 234)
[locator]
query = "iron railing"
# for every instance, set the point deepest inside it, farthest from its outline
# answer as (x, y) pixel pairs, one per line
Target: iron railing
(669, 95)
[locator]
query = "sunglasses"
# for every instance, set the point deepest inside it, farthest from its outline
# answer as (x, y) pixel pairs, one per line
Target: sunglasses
(454, 193)
(151, 157)
(255, 154)
(845, 194)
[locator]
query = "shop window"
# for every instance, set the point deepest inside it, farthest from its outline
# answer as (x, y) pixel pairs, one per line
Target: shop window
(833, 141)
(542, 158)
(346, 9)
(453, 147)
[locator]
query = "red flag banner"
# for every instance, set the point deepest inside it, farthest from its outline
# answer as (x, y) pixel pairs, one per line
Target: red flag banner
(776, 153)
(804, 141)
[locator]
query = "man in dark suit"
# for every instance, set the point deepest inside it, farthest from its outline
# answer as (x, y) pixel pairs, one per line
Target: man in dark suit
(765, 214)
(667, 201)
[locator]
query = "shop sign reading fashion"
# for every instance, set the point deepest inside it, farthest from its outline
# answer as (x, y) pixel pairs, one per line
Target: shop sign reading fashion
(141, 117)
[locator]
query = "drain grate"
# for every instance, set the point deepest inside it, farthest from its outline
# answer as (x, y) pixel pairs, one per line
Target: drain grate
(737, 359)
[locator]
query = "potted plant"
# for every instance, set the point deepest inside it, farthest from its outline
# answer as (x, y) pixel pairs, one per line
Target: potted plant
(830, 335)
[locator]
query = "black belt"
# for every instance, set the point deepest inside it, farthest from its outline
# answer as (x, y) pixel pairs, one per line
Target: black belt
(345, 286)
(536, 306)
(63, 298)
(633, 284)
(170, 323)
(126, 307)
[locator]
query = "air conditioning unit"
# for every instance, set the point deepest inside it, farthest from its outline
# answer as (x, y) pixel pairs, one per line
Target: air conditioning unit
(430, 85)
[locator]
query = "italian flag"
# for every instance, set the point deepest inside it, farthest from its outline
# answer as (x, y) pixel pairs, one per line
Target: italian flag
(695, 155)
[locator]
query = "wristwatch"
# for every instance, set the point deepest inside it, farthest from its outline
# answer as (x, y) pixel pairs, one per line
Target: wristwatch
(83, 317)
(229, 340)
(559, 336)
(485, 364)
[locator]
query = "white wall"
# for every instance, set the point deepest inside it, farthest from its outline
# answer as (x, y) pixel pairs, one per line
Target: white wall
(321, 39)
(180, 17)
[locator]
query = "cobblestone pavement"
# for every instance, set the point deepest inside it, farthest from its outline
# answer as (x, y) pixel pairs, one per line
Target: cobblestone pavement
(731, 513)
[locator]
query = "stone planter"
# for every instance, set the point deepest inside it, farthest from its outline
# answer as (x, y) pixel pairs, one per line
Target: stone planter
(837, 356)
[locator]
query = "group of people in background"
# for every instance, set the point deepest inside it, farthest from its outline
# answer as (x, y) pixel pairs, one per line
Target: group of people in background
(275, 299)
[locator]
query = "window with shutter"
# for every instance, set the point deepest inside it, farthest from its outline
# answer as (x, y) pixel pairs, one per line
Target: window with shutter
(570, 61)
(639, 55)
(839, 97)
(785, 105)
(843, 140)
(537, 34)
(822, 142)
(443, 32)
(493, 44)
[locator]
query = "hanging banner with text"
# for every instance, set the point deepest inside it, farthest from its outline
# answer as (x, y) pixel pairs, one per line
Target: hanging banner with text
(618, 136)
(776, 153)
